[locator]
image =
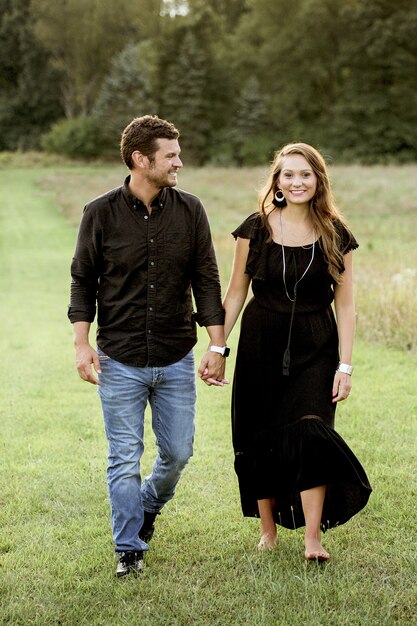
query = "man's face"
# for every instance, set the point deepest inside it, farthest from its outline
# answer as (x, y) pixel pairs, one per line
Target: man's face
(163, 168)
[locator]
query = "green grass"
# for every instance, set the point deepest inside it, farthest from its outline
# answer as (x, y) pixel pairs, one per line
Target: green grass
(56, 561)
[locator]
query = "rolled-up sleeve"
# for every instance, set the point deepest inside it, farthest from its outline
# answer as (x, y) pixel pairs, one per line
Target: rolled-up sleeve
(205, 279)
(85, 272)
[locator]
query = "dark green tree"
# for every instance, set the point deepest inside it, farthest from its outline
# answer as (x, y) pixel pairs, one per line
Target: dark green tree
(376, 107)
(28, 97)
(251, 138)
(293, 52)
(335, 73)
(183, 99)
(127, 91)
(193, 83)
(83, 36)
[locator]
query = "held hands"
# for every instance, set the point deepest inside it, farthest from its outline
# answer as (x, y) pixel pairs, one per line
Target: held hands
(342, 385)
(211, 370)
(85, 358)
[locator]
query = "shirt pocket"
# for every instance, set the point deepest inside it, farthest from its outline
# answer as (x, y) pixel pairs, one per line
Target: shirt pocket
(177, 247)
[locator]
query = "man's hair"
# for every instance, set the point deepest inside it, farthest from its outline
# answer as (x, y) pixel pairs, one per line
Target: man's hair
(142, 133)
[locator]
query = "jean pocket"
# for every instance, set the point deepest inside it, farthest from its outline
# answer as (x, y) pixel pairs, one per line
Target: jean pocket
(102, 357)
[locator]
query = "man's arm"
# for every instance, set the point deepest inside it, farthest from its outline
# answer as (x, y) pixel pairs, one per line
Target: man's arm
(82, 307)
(205, 280)
(236, 294)
(213, 364)
(205, 283)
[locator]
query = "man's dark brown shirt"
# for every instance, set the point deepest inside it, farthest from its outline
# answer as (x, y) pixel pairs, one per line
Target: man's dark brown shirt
(141, 269)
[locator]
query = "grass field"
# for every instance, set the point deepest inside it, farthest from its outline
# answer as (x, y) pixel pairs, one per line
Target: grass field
(56, 561)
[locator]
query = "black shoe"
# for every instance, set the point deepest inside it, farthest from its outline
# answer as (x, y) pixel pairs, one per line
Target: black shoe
(130, 561)
(148, 527)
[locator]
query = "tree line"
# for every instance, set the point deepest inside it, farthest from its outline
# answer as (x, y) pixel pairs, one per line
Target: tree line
(239, 78)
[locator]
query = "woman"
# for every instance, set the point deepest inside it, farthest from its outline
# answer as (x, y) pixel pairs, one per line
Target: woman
(294, 362)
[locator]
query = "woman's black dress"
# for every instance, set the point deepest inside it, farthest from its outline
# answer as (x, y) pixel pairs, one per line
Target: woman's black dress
(283, 417)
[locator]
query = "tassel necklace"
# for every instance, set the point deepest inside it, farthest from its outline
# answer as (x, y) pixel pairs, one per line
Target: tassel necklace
(287, 356)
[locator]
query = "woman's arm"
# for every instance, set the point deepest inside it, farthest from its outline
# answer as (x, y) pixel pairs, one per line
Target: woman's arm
(237, 289)
(345, 316)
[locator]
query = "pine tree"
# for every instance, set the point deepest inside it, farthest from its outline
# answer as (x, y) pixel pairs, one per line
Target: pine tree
(251, 137)
(127, 92)
(184, 101)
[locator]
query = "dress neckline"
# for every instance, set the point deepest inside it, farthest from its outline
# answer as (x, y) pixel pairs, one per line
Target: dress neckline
(304, 247)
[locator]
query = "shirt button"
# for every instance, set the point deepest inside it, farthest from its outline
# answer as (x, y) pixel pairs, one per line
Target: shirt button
(151, 240)
(151, 308)
(149, 332)
(151, 286)
(145, 217)
(152, 263)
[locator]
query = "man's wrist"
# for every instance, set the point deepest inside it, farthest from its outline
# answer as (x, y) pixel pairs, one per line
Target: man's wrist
(223, 350)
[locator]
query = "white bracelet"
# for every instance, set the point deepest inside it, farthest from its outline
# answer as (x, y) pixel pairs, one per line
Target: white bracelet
(345, 369)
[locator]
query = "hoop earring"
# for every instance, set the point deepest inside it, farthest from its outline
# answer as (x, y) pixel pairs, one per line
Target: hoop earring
(279, 199)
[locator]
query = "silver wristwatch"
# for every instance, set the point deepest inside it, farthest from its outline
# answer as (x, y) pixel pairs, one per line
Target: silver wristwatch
(345, 368)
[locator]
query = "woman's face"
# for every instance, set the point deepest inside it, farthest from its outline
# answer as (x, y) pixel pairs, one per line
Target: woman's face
(297, 180)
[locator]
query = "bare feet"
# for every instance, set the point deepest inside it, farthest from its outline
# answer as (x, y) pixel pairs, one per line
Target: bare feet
(268, 541)
(314, 551)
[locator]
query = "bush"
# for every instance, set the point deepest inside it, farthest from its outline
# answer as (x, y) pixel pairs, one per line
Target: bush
(76, 137)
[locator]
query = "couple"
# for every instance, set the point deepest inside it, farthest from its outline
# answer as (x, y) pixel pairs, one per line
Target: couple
(143, 250)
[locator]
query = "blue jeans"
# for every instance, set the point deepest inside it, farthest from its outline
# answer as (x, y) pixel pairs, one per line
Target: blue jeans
(124, 392)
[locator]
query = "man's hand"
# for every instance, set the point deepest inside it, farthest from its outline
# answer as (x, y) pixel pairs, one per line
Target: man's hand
(85, 358)
(211, 370)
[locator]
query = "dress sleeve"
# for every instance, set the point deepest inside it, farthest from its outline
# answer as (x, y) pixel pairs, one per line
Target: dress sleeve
(347, 240)
(254, 230)
(248, 227)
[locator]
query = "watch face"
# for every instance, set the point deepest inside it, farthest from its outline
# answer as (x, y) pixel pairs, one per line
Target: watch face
(226, 352)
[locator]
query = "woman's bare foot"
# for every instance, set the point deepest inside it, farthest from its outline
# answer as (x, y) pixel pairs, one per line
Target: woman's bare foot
(268, 526)
(268, 541)
(314, 551)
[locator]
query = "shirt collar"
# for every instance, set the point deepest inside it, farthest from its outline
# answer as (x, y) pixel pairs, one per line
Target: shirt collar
(158, 201)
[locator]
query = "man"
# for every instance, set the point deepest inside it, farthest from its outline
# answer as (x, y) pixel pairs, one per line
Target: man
(143, 249)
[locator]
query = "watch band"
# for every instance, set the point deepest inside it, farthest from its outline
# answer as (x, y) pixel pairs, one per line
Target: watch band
(223, 350)
(345, 368)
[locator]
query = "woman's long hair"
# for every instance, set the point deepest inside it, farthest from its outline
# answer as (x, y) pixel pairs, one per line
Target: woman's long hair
(322, 206)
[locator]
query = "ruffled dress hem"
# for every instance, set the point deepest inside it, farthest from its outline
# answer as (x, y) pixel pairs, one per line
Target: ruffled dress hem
(302, 455)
